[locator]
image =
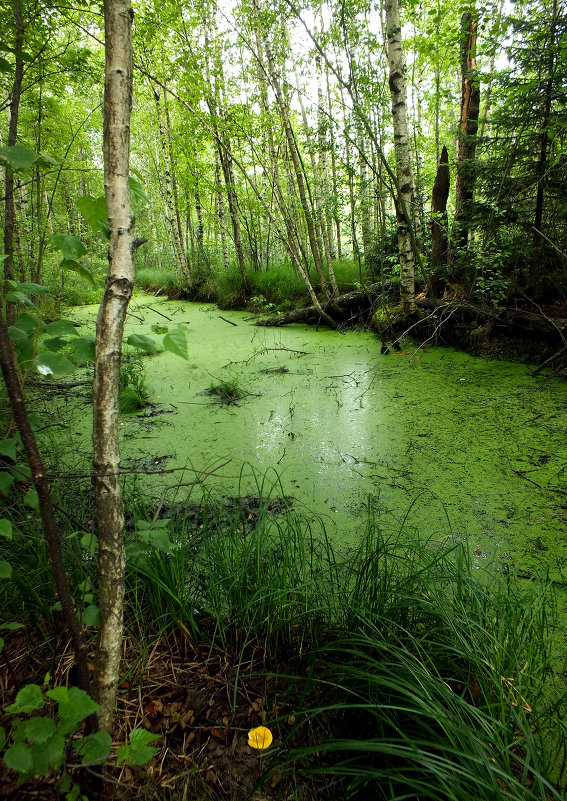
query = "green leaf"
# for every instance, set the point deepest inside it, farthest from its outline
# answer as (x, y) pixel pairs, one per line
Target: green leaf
(78, 707)
(90, 543)
(5, 570)
(30, 323)
(94, 211)
(158, 539)
(94, 748)
(84, 349)
(176, 342)
(49, 755)
(31, 499)
(71, 247)
(5, 66)
(28, 699)
(61, 328)
(21, 472)
(47, 161)
(6, 481)
(6, 529)
(36, 420)
(39, 729)
(142, 342)
(18, 157)
(139, 737)
(77, 267)
(8, 448)
(59, 694)
(17, 334)
(29, 288)
(48, 363)
(19, 297)
(54, 344)
(12, 626)
(19, 758)
(137, 190)
(91, 616)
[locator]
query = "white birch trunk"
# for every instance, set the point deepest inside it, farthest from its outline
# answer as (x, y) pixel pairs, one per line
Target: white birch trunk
(402, 146)
(110, 325)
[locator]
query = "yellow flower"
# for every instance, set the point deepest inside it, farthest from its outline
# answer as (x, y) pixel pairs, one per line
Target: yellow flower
(260, 737)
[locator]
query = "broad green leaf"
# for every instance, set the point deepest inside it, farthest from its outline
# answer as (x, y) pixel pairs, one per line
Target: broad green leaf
(77, 267)
(39, 729)
(21, 472)
(31, 499)
(78, 707)
(6, 481)
(137, 554)
(158, 539)
(36, 420)
(146, 525)
(59, 694)
(26, 352)
(137, 190)
(61, 328)
(91, 616)
(84, 349)
(12, 626)
(49, 755)
(18, 297)
(18, 157)
(94, 211)
(47, 161)
(71, 247)
(8, 448)
(48, 363)
(30, 323)
(19, 758)
(5, 66)
(54, 344)
(28, 699)
(90, 543)
(6, 529)
(29, 288)
(175, 341)
(140, 737)
(17, 334)
(5, 570)
(94, 747)
(142, 342)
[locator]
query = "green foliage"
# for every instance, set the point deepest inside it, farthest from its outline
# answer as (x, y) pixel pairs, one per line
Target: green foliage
(133, 394)
(226, 392)
(39, 744)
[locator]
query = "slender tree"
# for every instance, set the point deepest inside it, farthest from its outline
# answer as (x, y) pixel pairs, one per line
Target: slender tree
(118, 17)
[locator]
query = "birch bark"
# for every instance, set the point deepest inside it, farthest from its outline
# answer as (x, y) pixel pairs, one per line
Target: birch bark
(402, 144)
(110, 326)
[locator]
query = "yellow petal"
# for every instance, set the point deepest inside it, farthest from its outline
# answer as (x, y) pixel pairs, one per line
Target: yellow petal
(260, 737)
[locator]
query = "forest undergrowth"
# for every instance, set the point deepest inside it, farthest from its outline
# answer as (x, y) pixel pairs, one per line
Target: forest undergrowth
(390, 669)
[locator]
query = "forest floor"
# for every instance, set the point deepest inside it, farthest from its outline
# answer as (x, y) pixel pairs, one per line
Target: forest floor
(202, 700)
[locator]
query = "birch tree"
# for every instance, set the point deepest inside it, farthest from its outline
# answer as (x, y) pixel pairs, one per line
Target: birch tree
(402, 144)
(110, 326)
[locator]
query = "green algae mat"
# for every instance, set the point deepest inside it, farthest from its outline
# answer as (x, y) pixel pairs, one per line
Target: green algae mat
(449, 445)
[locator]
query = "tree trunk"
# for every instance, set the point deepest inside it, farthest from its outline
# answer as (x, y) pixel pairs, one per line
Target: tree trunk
(544, 145)
(439, 231)
(402, 144)
(468, 127)
(9, 208)
(41, 485)
(110, 326)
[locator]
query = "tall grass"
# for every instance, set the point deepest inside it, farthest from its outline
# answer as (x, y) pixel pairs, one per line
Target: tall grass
(403, 673)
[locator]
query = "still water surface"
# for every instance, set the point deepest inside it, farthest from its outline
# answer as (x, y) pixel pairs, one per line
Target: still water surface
(450, 443)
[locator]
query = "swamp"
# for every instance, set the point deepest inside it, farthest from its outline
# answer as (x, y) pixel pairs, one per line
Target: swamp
(283, 446)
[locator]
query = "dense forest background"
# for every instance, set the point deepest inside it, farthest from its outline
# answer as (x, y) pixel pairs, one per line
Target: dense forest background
(262, 138)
